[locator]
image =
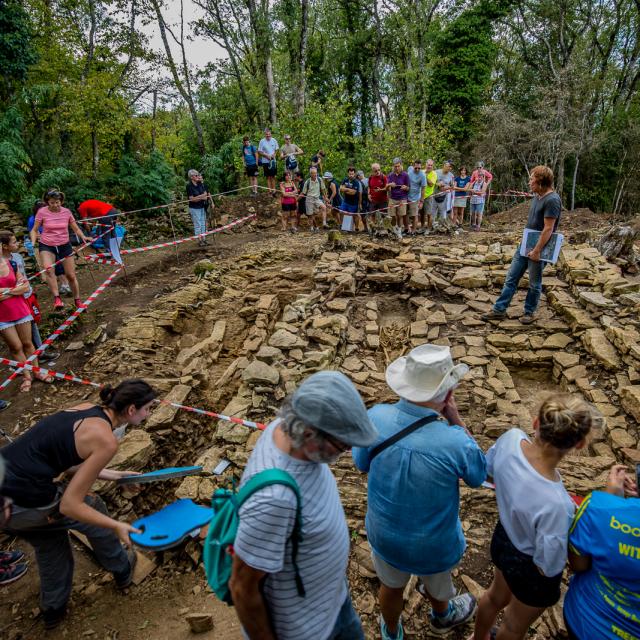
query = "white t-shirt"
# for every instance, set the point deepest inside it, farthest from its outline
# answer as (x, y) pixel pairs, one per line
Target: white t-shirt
(535, 512)
(263, 542)
(268, 146)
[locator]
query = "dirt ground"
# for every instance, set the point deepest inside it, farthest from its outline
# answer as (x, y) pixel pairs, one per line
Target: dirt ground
(156, 608)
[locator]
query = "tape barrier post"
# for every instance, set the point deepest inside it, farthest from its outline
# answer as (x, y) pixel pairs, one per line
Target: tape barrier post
(62, 328)
(84, 381)
(162, 245)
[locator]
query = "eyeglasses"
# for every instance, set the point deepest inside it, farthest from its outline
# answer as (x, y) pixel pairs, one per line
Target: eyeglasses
(338, 445)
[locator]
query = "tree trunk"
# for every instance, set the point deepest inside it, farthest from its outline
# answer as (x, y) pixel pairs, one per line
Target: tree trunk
(271, 91)
(95, 154)
(573, 184)
(302, 58)
(183, 87)
(153, 120)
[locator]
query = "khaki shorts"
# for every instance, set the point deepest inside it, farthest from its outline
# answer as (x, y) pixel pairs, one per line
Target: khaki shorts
(313, 205)
(438, 585)
(397, 207)
(414, 209)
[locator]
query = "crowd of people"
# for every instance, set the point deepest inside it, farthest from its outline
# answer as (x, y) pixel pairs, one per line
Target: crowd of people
(415, 453)
(413, 199)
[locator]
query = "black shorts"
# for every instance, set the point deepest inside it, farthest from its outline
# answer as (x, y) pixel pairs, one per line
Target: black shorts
(521, 574)
(60, 251)
(270, 170)
(292, 206)
(251, 170)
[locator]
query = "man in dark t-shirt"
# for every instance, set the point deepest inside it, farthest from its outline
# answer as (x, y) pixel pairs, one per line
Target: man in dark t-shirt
(544, 216)
(199, 199)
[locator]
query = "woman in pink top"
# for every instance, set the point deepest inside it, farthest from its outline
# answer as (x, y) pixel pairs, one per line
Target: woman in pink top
(15, 315)
(51, 229)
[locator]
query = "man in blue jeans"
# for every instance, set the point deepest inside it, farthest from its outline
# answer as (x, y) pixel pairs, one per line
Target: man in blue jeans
(412, 522)
(544, 216)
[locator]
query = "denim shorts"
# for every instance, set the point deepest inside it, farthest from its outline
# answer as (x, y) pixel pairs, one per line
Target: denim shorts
(13, 323)
(477, 208)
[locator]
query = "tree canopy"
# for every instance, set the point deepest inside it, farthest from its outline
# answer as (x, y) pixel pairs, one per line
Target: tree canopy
(85, 104)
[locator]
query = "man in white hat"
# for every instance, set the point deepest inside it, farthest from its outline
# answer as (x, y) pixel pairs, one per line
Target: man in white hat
(414, 467)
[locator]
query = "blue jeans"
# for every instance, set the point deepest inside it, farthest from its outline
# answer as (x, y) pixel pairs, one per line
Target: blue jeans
(520, 264)
(347, 625)
(199, 218)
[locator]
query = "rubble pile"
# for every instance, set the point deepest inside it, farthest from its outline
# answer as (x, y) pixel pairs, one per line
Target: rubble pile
(238, 339)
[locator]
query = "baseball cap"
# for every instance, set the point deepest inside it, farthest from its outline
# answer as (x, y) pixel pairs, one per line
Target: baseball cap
(328, 175)
(480, 164)
(329, 401)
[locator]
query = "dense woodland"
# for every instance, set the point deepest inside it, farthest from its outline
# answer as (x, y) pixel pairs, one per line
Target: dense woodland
(86, 105)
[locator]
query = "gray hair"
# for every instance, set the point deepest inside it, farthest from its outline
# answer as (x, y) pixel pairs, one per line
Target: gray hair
(397, 161)
(193, 172)
(292, 425)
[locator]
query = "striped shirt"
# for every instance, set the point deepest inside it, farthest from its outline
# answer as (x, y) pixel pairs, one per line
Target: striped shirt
(262, 542)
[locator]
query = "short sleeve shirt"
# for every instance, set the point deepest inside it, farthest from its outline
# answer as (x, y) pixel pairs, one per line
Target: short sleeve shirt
(351, 199)
(536, 512)
(197, 190)
(263, 542)
(432, 177)
(399, 179)
(378, 189)
(417, 182)
(94, 209)
(549, 206)
(249, 155)
(461, 183)
(269, 147)
(604, 601)
(54, 226)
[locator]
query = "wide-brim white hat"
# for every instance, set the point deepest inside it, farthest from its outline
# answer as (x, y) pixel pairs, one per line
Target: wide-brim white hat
(425, 373)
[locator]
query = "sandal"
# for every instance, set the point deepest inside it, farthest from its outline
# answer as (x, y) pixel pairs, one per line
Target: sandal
(25, 387)
(44, 377)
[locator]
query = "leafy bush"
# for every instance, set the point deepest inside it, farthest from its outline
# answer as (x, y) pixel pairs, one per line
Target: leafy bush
(14, 160)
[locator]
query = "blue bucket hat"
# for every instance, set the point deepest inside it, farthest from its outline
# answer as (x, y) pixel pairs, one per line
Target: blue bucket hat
(328, 401)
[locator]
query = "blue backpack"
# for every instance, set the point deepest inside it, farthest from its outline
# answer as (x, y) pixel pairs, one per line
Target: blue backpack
(218, 545)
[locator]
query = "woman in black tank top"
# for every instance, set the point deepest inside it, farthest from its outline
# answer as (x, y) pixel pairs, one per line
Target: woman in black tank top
(79, 442)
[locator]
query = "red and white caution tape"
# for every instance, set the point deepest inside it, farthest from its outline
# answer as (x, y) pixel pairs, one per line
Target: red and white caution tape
(71, 378)
(234, 223)
(62, 328)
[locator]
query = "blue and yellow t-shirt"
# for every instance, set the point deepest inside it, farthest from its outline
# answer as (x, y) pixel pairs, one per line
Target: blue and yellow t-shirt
(604, 602)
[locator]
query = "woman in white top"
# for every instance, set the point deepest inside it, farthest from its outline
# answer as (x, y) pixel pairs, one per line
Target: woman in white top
(529, 545)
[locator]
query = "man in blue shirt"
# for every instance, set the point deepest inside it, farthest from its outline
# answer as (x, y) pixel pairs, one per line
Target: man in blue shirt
(417, 187)
(415, 482)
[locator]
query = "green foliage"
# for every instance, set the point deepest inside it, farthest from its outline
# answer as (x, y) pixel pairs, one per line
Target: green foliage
(14, 160)
(142, 183)
(464, 55)
(221, 170)
(16, 52)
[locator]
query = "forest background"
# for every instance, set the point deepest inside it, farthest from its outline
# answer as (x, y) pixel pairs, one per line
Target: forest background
(88, 106)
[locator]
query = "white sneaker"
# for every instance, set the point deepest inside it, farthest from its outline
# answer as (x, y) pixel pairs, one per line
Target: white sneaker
(65, 288)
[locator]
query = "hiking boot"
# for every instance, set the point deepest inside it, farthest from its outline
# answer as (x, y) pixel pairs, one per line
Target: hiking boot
(8, 558)
(386, 635)
(49, 356)
(65, 289)
(494, 315)
(53, 617)
(461, 609)
(4, 404)
(125, 579)
(57, 303)
(11, 573)
(398, 232)
(527, 318)
(78, 303)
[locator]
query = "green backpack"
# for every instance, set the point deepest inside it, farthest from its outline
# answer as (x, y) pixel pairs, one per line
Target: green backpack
(223, 528)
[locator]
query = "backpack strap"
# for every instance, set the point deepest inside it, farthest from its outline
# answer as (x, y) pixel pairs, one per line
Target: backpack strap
(267, 478)
(401, 434)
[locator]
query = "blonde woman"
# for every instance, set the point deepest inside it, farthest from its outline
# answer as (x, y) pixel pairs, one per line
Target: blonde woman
(529, 545)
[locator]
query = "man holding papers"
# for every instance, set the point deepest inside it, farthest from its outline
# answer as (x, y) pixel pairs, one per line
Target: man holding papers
(544, 216)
